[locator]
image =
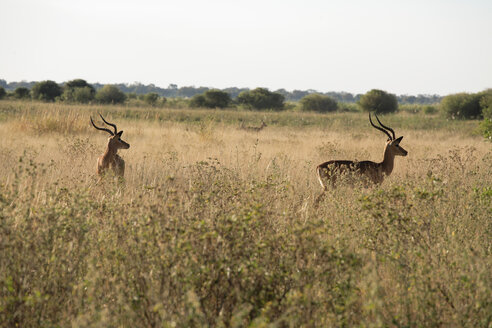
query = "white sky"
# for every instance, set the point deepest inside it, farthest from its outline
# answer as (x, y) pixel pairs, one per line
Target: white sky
(401, 46)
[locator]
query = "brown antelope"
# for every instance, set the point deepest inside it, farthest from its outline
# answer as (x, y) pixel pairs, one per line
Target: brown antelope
(372, 171)
(110, 159)
(253, 128)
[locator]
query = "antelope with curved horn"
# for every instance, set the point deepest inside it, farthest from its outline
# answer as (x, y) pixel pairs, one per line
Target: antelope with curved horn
(110, 160)
(373, 171)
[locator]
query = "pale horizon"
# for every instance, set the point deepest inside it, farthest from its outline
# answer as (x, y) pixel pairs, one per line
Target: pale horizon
(403, 47)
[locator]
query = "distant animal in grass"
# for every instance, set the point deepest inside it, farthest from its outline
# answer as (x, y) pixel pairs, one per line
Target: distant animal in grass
(110, 160)
(253, 128)
(373, 172)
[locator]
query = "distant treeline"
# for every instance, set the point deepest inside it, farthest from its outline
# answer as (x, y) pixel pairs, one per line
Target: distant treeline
(173, 91)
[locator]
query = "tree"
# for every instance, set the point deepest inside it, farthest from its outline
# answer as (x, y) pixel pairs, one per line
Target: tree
(211, 99)
(78, 90)
(46, 90)
(197, 101)
(79, 83)
(21, 93)
(3, 93)
(109, 94)
(378, 101)
(261, 98)
(461, 106)
(151, 98)
(318, 103)
(486, 107)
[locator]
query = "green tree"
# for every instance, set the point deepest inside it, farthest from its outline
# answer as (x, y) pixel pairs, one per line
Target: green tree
(3, 93)
(318, 103)
(151, 98)
(21, 93)
(486, 107)
(197, 101)
(378, 101)
(461, 106)
(79, 83)
(78, 90)
(109, 94)
(211, 99)
(261, 98)
(46, 90)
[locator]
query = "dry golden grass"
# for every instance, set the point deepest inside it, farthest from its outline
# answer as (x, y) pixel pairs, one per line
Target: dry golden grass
(216, 226)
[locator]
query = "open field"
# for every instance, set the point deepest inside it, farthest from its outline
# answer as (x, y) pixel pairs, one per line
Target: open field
(216, 226)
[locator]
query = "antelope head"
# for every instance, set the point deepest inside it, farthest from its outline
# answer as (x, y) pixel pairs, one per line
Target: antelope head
(393, 143)
(114, 141)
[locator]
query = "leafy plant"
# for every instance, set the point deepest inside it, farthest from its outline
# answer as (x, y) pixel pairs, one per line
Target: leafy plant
(378, 101)
(46, 91)
(318, 103)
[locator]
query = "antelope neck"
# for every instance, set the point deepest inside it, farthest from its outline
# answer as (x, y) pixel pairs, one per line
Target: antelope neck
(110, 152)
(388, 161)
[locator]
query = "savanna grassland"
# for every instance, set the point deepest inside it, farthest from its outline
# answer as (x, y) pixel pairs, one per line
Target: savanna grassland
(217, 226)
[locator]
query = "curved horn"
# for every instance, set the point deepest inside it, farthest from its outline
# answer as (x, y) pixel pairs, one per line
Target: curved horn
(111, 124)
(377, 127)
(387, 128)
(102, 129)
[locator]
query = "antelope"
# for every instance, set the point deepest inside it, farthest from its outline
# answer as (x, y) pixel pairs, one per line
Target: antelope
(372, 171)
(253, 128)
(110, 160)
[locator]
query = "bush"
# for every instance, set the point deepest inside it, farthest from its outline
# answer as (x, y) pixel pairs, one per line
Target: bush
(318, 103)
(197, 101)
(151, 98)
(486, 103)
(110, 94)
(485, 128)
(21, 93)
(211, 99)
(486, 107)
(429, 109)
(79, 95)
(79, 83)
(261, 98)
(78, 90)
(461, 106)
(378, 101)
(3, 93)
(46, 91)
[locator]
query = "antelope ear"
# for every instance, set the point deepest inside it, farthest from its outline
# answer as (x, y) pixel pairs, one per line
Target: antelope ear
(397, 140)
(119, 133)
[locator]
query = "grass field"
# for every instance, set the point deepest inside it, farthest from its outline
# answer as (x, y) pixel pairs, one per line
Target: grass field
(217, 226)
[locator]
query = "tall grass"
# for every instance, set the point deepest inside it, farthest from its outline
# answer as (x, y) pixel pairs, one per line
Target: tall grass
(216, 226)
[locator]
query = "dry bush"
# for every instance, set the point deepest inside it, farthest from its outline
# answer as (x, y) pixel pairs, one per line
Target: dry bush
(217, 227)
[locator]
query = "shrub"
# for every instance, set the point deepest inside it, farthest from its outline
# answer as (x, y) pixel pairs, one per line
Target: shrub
(46, 90)
(78, 90)
(151, 98)
(486, 103)
(197, 101)
(211, 99)
(21, 93)
(429, 109)
(261, 98)
(378, 101)
(3, 93)
(79, 83)
(318, 103)
(486, 107)
(80, 95)
(461, 106)
(110, 94)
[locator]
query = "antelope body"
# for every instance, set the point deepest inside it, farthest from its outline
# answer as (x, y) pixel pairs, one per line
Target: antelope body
(110, 160)
(253, 128)
(374, 172)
